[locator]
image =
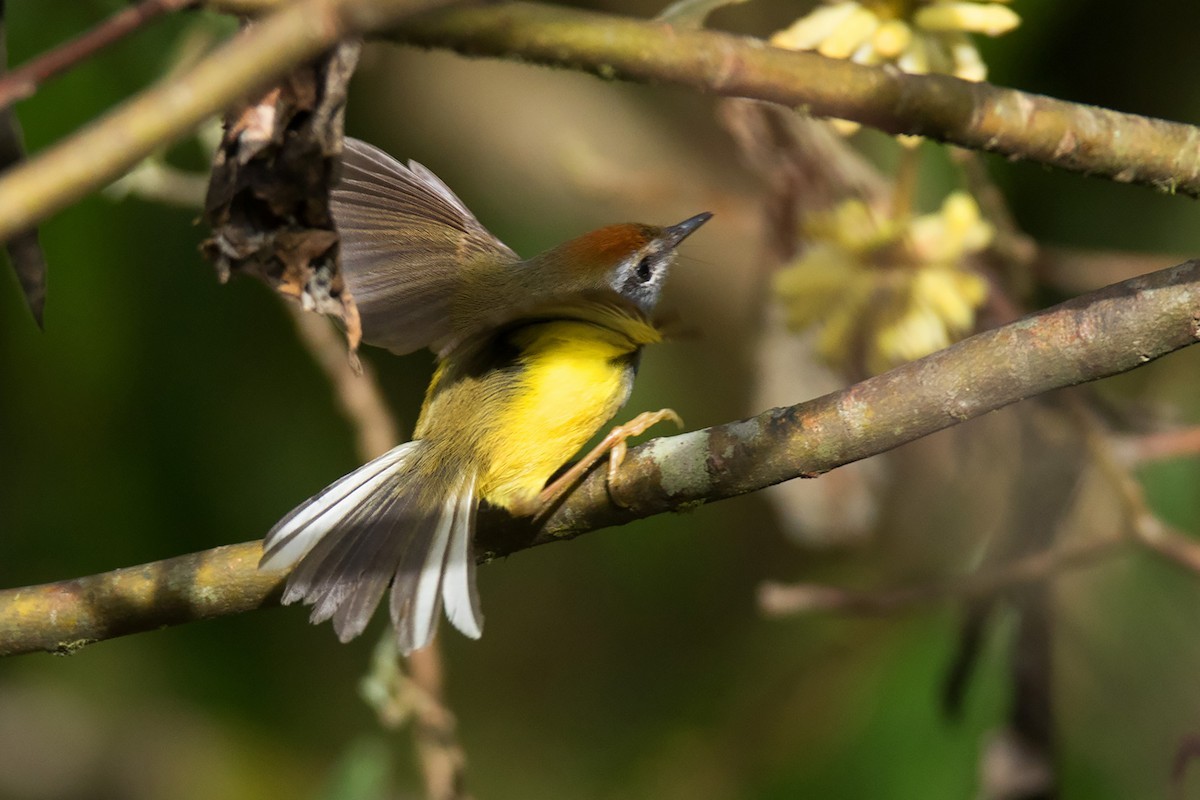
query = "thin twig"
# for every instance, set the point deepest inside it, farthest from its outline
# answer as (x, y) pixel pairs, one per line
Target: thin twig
(99, 153)
(1016, 249)
(443, 763)
(23, 81)
(1187, 752)
(24, 250)
(1081, 340)
(779, 599)
(1143, 526)
(358, 395)
(160, 182)
(1169, 543)
(1146, 448)
(904, 182)
(1072, 270)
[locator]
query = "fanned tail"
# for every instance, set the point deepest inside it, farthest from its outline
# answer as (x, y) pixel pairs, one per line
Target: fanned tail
(383, 524)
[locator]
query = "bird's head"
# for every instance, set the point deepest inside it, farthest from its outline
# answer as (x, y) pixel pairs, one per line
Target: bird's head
(630, 259)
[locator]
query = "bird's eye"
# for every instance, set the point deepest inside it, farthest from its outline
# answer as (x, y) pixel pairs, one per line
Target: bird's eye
(643, 269)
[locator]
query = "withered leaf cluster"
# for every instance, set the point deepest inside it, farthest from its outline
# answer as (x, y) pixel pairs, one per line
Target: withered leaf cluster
(268, 199)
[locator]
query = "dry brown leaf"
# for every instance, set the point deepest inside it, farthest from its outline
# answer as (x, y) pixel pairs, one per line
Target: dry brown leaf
(268, 196)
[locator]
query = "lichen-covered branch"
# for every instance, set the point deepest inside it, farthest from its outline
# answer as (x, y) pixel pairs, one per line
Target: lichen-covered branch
(980, 116)
(62, 617)
(1094, 336)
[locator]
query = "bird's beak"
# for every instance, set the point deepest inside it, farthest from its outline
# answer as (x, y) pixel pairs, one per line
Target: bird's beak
(675, 234)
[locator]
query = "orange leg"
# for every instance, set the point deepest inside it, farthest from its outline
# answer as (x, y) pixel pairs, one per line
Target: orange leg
(613, 445)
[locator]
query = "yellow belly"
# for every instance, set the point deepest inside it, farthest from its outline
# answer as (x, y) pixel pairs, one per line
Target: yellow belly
(572, 379)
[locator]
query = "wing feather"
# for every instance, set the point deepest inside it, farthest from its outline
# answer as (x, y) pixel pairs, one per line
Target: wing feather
(405, 237)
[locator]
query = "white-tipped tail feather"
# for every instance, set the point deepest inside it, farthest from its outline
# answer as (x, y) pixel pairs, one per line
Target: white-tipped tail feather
(458, 580)
(377, 526)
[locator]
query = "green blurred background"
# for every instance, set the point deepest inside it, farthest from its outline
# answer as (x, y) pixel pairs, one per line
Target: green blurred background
(161, 413)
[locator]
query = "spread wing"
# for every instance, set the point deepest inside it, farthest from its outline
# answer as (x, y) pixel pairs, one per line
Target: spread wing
(405, 238)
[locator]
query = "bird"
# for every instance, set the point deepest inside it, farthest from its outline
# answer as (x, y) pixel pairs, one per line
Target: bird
(534, 357)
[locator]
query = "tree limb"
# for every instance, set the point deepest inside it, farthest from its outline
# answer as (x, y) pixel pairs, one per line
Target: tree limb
(1076, 137)
(1094, 336)
(63, 617)
(102, 151)
(1072, 136)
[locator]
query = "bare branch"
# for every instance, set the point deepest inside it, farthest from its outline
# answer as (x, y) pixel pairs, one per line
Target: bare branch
(397, 695)
(1081, 138)
(779, 599)
(25, 80)
(1146, 448)
(1076, 137)
(1075, 271)
(102, 151)
(159, 182)
(357, 393)
(443, 761)
(1143, 526)
(1090, 337)
(1158, 537)
(62, 617)
(24, 250)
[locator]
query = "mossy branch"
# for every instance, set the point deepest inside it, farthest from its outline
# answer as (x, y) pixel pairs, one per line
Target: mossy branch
(1093, 336)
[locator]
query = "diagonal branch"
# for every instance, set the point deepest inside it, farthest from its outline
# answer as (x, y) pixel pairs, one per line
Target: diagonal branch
(1094, 336)
(24, 250)
(23, 81)
(1080, 138)
(441, 756)
(102, 151)
(782, 599)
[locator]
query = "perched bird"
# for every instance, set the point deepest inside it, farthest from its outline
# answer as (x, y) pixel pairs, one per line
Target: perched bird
(534, 357)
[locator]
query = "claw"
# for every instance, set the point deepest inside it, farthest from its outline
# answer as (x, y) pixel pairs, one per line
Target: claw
(614, 446)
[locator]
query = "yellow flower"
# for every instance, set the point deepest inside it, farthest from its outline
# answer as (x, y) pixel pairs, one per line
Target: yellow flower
(917, 36)
(881, 291)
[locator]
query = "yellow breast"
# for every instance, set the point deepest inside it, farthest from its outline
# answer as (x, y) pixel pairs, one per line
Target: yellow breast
(572, 377)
